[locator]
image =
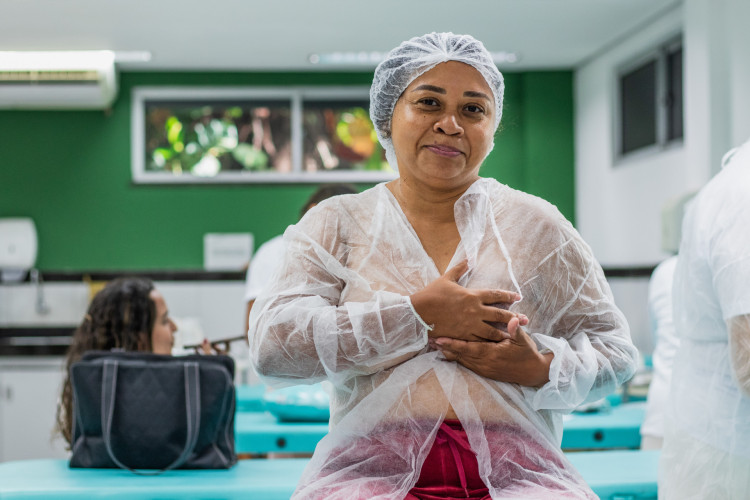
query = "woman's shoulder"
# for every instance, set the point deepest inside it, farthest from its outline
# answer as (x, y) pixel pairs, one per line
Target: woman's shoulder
(349, 203)
(334, 220)
(526, 206)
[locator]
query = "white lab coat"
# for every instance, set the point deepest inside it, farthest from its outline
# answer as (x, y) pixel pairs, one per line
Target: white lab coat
(706, 451)
(340, 311)
(263, 265)
(667, 342)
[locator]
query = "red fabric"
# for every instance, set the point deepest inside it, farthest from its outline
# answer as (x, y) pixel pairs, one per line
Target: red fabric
(450, 470)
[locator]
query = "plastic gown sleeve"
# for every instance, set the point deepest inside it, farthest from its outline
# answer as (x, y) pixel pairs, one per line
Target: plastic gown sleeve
(301, 332)
(588, 334)
(739, 345)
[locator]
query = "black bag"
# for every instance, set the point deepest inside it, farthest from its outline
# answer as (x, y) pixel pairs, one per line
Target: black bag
(138, 410)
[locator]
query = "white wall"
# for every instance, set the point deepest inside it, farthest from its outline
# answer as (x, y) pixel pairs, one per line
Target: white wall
(618, 207)
(738, 23)
(214, 308)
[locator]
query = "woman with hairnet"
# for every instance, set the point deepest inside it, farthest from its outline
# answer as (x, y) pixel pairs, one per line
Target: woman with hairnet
(456, 318)
(706, 452)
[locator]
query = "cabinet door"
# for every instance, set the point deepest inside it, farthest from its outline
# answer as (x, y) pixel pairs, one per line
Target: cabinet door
(28, 402)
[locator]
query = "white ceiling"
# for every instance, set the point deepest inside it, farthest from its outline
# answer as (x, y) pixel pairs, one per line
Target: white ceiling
(281, 34)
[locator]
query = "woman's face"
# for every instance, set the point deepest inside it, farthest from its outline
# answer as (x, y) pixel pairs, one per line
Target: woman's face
(162, 336)
(442, 126)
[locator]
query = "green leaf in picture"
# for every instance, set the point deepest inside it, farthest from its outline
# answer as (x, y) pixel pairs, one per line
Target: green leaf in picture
(204, 139)
(342, 131)
(225, 134)
(250, 157)
(174, 130)
(208, 166)
(161, 156)
(192, 148)
(234, 112)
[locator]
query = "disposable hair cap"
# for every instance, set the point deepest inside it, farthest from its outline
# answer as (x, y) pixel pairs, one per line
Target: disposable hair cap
(415, 57)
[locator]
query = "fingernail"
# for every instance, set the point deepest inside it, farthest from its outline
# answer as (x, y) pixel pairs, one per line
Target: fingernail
(441, 342)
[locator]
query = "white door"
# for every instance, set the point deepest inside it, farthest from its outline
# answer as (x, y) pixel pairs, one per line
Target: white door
(28, 402)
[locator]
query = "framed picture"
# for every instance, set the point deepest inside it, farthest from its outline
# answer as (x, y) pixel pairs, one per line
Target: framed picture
(254, 135)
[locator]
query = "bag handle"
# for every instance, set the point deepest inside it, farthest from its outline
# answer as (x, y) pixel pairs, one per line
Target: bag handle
(192, 409)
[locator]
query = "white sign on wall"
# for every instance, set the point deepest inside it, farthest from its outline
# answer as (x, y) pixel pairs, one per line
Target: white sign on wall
(227, 251)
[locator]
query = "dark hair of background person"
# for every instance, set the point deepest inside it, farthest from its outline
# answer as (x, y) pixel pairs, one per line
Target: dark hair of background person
(324, 192)
(120, 316)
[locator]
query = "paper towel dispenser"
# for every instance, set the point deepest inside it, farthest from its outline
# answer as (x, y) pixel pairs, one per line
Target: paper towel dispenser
(18, 247)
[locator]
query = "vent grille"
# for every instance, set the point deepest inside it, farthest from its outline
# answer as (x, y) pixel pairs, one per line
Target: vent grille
(49, 77)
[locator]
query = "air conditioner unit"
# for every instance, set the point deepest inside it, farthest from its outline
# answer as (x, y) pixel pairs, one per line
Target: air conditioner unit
(57, 80)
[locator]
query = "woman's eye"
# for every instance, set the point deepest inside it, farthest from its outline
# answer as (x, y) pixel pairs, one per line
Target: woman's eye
(473, 108)
(428, 101)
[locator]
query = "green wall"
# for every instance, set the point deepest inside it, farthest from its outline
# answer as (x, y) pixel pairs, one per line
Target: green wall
(70, 172)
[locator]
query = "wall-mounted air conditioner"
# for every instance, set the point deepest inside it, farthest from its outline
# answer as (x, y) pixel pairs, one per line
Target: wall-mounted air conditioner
(57, 80)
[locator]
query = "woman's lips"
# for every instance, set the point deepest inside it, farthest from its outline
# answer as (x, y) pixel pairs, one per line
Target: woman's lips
(445, 151)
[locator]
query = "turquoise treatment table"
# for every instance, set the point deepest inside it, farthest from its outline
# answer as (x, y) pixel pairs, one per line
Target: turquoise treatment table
(259, 479)
(260, 433)
(619, 427)
(616, 427)
(250, 397)
(612, 474)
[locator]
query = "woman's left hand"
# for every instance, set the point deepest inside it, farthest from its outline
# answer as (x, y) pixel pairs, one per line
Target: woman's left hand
(514, 360)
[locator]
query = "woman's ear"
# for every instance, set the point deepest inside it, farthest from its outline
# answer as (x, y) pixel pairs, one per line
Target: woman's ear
(144, 343)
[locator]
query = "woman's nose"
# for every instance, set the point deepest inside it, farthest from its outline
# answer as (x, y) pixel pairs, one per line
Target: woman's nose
(448, 124)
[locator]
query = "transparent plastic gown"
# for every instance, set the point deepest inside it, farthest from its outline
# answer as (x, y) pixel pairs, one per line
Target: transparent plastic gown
(706, 450)
(339, 310)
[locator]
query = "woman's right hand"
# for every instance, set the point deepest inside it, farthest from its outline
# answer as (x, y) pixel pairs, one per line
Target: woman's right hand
(461, 313)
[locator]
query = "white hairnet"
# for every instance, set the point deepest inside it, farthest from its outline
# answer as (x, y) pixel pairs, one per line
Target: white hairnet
(415, 57)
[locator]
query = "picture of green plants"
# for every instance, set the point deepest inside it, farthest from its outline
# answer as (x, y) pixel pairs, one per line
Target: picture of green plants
(340, 136)
(204, 139)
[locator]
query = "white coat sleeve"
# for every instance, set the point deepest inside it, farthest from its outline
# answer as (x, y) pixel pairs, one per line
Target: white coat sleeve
(729, 258)
(576, 319)
(301, 332)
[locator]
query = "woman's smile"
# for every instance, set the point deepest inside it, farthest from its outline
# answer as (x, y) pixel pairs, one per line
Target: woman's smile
(444, 151)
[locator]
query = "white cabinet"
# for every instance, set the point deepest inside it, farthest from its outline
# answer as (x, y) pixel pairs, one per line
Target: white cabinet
(29, 390)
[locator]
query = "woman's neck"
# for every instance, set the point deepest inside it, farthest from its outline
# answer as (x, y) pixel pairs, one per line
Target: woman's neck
(425, 203)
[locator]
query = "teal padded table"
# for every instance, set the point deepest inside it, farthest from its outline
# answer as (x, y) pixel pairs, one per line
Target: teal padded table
(255, 479)
(612, 474)
(250, 397)
(619, 474)
(616, 427)
(261, 433)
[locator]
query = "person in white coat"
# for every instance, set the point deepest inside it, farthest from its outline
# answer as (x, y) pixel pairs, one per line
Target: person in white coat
(706, 452)
(661, 314)
(267, 259)
(456, 318)
(667, 342)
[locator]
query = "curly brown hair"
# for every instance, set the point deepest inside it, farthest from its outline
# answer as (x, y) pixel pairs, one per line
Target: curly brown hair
(120, 316)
